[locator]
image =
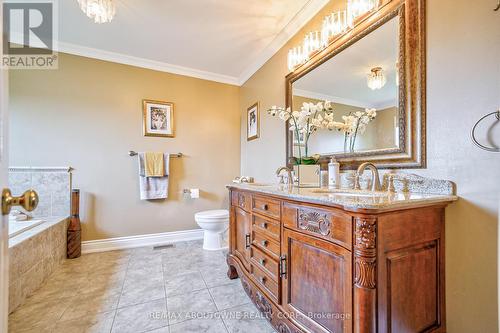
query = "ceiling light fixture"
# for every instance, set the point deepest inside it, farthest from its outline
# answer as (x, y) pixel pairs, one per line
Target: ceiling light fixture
(101, 11)
(376, 79)
(333, 25)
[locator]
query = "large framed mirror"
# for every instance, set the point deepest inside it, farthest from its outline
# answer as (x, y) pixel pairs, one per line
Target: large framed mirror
(374, 77)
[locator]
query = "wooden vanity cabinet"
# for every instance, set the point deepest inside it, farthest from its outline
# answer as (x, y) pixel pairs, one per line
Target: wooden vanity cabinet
(318, 268)
(240, 233)
(317, 281)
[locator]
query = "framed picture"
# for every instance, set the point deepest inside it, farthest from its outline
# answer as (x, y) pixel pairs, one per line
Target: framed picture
(253, 122)
(158, 118)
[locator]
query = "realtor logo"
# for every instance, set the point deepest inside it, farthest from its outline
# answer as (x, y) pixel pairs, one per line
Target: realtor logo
(29, 34)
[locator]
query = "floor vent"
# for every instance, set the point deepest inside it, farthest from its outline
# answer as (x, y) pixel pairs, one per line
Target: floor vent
(161, 247)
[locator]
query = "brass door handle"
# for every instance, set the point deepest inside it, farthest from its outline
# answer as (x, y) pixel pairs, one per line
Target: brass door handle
(28, 200)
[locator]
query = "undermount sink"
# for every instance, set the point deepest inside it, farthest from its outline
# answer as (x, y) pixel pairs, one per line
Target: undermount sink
(351, 193)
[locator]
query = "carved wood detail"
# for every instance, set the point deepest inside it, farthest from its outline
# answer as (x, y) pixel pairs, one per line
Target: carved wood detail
(314, 221)
(366, 233)
(283, 328)
(241, 200)
(246, 287)
(365, 254)
(364, 272)
(263, 305)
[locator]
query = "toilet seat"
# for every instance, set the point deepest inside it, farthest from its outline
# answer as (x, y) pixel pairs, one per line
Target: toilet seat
(212, 215)
(214, 224)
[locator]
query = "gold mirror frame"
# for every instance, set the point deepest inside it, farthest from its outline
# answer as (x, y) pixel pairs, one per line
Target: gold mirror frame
(412, 92)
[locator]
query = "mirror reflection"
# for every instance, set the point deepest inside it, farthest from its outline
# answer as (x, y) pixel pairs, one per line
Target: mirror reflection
(362, 84)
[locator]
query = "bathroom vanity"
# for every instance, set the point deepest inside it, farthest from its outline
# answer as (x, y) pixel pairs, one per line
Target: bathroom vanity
(319, 260)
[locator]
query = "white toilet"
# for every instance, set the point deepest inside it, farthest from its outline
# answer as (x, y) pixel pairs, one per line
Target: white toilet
(214, 223)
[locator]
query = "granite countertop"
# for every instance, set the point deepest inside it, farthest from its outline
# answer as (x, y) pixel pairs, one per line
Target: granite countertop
(430, 192)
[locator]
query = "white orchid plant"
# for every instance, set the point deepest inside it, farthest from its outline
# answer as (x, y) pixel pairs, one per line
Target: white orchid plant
(313, 117)
(355, 124)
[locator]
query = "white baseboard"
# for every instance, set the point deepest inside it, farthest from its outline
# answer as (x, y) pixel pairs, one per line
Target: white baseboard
(121, 243)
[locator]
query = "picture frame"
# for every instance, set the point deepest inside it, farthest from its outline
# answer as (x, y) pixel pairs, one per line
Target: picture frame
(253, 122)
(158, 118)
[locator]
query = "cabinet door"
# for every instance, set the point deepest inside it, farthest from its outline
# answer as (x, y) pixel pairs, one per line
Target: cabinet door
(317, 283)
(240, 234)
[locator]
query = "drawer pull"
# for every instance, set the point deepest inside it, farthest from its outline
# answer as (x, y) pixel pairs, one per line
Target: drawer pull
(264, 225)
(265, 207)
(247, 241)
(262, 261)
(264, 243)
(262, 279)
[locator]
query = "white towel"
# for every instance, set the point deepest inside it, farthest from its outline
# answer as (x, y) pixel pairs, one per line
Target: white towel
(153, 188)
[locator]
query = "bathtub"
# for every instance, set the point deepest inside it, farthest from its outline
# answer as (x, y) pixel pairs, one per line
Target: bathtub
(18, 227)
(36, 249)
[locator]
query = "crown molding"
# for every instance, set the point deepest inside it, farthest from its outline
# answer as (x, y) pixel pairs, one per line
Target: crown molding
(144, 63)
(307, 12)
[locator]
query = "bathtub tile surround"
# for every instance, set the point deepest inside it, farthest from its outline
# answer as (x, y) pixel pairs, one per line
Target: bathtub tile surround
(178, 289)
(53, 186)
(34, 255)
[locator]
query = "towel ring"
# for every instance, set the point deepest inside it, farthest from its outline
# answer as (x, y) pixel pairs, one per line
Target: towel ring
(497, 7)
(473, 135)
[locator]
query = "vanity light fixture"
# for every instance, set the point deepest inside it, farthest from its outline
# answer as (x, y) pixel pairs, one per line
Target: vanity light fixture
(333, 25)
(376, 79)
(357, 8)
(101, 11)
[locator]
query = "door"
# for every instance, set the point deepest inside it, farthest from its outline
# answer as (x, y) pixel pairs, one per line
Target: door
(240, 224)
(317, 283)
(4, 232)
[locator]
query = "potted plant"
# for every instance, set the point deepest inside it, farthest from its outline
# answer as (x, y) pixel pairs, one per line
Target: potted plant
(354, 125)
(303, 124)
(310, 119)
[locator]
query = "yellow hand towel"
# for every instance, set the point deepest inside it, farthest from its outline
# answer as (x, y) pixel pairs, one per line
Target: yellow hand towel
(154, 164)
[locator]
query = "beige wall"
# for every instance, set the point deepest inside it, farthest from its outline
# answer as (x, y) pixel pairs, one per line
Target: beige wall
(463, 83)
(88, 114)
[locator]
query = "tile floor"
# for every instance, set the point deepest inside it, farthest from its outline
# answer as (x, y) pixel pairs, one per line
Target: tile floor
(174, 290)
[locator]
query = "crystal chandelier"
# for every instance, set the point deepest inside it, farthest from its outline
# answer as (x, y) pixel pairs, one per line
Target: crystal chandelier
(333, 25)
(357, 8)
(101, 11)
(376, 79)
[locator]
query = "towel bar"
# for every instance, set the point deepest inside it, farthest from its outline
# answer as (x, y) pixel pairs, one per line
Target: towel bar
(133, 153)
(473, 133)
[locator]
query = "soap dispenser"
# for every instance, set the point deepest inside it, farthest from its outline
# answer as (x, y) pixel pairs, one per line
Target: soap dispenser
(334, 173)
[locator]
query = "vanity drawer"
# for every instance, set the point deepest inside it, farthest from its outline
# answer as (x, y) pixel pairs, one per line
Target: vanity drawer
(241, 199)
(330, 224)
(267, 226)
(264, 262)
(267, 207)
(264, 281)
(266, 244)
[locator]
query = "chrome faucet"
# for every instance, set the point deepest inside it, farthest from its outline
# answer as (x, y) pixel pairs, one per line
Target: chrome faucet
(375, 176)
(280, 176)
